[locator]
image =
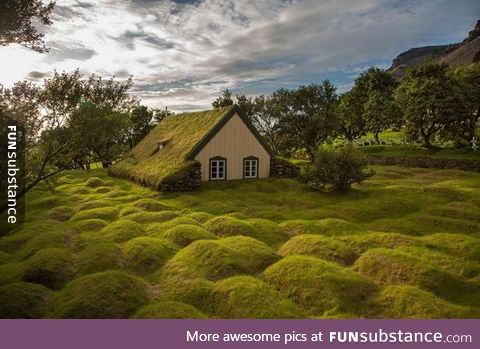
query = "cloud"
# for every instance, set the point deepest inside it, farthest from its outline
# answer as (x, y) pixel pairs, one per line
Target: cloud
(183, 53)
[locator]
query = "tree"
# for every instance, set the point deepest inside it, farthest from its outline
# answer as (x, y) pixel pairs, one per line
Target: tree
(468, 113)
(309, 119)
(429, 98)
(265, 116)
(18, 22)
(381, 113)
(338, 168)
(246, 105)
(350, 114)
(141, 123)
(224, 100)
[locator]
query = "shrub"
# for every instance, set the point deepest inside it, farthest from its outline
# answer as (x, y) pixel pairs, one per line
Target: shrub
(51, 267)
(123, 230)
(319, 246)
(337, 168)
(245, 297)
(23, 300)
(100, 257)
(169, 310)
(145, 254)
(185, 234)
(319, 287)
(105, 295)
(400, 302)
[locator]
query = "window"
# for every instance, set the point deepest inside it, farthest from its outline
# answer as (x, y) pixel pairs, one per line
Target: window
(250, 167)
(218, 169)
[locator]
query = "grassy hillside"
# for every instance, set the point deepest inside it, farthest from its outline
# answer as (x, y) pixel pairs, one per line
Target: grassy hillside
(406, 244)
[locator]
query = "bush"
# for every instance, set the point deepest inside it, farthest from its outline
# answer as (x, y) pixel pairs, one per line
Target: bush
(319, 287)
(23, 300)
(51, 267)
(337, 168)
(106, 295)
(169, 310)
(100, 257)
(245, 297)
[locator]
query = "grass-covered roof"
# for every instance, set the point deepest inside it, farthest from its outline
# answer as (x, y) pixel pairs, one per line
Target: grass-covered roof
(179, 134)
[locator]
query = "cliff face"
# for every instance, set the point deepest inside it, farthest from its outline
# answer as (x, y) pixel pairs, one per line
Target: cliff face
(463, 53)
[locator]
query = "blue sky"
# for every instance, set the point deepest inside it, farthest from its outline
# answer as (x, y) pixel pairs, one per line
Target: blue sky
(183, 53)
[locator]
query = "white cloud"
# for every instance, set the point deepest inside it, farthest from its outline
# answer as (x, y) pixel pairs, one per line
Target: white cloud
(182, 54)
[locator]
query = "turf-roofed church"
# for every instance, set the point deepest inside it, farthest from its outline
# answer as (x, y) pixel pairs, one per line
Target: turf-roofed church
(188, 148)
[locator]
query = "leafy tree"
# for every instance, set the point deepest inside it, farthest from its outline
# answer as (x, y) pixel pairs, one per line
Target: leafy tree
(224, 100)
(338, 168)
(309, 119)
(18, 20)
(246, 104)
(468, 114)
(429, 98)
(350, 114)
(381, 113)
(265, 116)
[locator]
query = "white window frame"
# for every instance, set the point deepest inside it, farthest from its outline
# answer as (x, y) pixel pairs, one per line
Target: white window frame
(250, 168)
(217, 164)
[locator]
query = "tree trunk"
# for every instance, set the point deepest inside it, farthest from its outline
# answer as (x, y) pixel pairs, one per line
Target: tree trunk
(377, 139)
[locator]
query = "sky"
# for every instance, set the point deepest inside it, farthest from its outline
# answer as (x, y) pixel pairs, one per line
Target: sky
(183, 53)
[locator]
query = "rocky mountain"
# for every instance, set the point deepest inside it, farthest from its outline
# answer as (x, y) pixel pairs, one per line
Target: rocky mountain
(462, 53)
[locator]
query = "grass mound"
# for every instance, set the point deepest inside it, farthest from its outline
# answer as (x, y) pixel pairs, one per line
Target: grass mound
(61, 213)
(145, 254)
(185, 234)
(327, 226)
(387, 267)
(107, 295)
(95, 182)
(171, 224)
(100, 257)
(152, 217)
(200, 217)
(169, 310)
(269, 232)
(216, 259)
(42, 241)
(463, 246)
(23, 300)
(128, 211)
(51, 267)
(228, 226)
(148, 204)
(123, 230)
(318, 287)
(245, 297)
(105, 213)
(400, 302)
(319, 246)
(89, 225)
(196, 291)
(363, 242)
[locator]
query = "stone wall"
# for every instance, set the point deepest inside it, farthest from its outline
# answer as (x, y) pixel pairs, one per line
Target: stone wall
(283, 168)
(427, 162)
(188, 180)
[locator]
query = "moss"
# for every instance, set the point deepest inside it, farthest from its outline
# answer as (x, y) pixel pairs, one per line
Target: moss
(365, 241)
(319, 246)
(393, 267)
(61, 213)
(51, 267)
(42, 241)
(11, 243)
(106, 213)
(319, 287)
(23, 300)
(196, 291)
(227, 226)
(150, 167)
(245, 297)
(172, 223)
(145, 254)
(185, 234)
(94, 204)
(216, 259)
(200, 217)
(128, 211)
(123, 230)
(107, 295)
(11, 272)
(400, 302)
(148, 204)
(100, 257)
(89, 224)
(4, 257)
(169, 310)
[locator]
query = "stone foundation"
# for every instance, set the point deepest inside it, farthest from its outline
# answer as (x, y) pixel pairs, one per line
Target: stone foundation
(283, 168)
(190, 179)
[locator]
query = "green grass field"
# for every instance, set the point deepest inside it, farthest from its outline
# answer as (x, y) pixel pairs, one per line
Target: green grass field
(405, 244)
